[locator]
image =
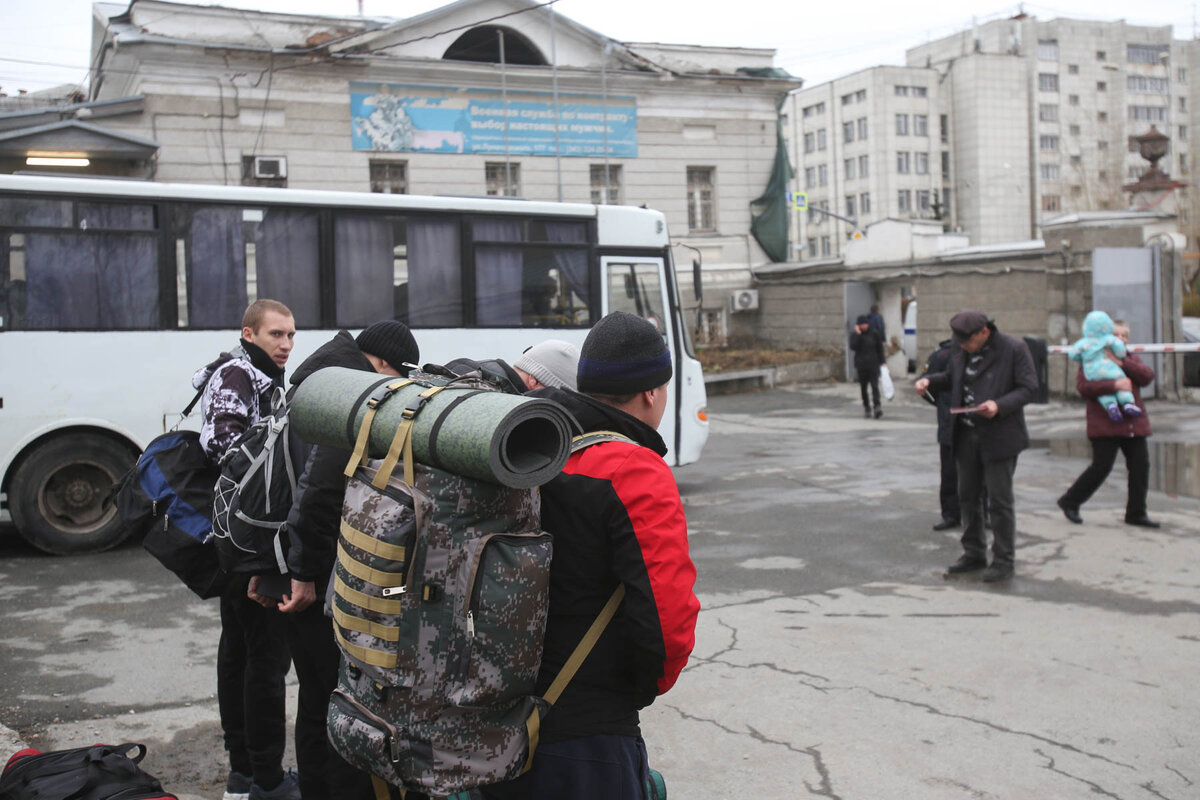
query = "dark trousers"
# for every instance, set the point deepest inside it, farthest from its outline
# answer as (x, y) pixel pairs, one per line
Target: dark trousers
(975, 475)
(1104, 454)
(592, 768)
(252, 660)
(948, 490)
(869, 378)
(324, 775)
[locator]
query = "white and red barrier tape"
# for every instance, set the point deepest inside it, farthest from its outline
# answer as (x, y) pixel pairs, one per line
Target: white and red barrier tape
(1167, 347)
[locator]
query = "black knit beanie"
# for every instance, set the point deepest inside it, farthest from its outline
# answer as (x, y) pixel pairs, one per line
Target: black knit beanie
(623, 354)
(392, 341)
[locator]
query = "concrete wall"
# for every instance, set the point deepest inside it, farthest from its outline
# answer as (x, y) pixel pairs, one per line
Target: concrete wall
(807, 315)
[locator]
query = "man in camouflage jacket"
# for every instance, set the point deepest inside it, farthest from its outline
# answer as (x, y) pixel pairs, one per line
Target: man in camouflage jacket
(252, 657)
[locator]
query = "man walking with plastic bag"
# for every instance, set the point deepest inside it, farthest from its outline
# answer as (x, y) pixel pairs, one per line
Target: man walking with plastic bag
(867, 344)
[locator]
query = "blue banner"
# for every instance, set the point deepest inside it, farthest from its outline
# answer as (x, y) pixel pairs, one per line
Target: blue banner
(428, 119)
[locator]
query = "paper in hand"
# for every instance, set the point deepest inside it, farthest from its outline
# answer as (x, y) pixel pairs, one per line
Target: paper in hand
(967, 409)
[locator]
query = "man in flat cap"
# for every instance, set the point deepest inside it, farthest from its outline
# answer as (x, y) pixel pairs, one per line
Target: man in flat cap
(990, 378)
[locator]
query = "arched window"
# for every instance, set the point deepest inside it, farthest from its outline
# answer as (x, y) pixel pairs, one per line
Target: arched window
(483, 44)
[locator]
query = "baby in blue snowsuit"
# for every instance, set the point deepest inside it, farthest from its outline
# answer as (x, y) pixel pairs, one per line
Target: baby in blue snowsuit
(1090, 352)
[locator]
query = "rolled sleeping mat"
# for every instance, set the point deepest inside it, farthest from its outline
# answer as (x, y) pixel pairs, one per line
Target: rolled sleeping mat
(512, 440)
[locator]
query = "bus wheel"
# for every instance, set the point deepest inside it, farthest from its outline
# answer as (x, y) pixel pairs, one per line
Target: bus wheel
(61, 494)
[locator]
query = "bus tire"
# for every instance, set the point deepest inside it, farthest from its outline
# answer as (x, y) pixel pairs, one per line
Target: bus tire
(61, 494)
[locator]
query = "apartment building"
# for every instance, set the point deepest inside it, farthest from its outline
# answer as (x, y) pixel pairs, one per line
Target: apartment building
(1089, 89)
(866, 147)
(995, 130)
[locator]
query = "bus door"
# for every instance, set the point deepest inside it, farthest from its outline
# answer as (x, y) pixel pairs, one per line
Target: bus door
(638, 285)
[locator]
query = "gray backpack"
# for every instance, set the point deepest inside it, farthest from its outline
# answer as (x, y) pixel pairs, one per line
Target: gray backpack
(439, 607)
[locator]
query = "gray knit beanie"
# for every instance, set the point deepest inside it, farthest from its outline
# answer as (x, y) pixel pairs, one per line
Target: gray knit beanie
(553, 362)
(623, 354)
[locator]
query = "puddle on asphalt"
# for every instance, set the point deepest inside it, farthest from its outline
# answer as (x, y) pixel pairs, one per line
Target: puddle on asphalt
(1174, 466)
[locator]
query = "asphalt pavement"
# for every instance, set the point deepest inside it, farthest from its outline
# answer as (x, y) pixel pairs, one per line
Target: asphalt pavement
(833, 657)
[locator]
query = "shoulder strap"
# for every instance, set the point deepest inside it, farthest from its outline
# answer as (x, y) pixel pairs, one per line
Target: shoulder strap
(578, 656)
(585, 440)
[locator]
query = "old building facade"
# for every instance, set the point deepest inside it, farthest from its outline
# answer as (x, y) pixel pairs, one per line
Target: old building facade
(488, 97)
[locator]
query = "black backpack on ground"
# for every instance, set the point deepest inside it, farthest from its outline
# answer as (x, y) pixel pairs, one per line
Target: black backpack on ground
(254, 492)
(167, 497)
(99, 772)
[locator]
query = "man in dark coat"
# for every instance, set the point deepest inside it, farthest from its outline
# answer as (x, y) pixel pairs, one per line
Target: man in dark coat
(1107, 437)
(939, 360)
(312, 527)
(867, 344)
(990, 379)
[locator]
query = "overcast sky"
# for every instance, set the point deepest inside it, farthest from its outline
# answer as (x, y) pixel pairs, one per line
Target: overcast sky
(814, 41)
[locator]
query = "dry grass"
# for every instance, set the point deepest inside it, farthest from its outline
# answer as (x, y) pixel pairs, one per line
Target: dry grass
(743, 355)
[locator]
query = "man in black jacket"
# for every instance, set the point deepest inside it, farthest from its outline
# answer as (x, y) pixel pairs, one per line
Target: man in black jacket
(312, 526)
(990, 379)
(617, 518)
(939, 359)
(867, 344)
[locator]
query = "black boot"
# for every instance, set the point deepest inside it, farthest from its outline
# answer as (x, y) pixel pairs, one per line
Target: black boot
(966, 563)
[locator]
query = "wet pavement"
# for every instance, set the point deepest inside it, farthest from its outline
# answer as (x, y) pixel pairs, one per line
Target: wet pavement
(833, 657)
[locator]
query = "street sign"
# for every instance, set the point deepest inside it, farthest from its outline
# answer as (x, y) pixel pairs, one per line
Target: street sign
(797, 200)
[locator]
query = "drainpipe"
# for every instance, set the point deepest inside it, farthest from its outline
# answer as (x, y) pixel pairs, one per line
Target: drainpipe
(1065, 253)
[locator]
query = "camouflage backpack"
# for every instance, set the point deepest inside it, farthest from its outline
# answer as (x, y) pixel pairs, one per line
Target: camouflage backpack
(439, 606)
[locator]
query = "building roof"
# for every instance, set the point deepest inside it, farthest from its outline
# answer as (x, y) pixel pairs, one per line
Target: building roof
(76, 136)
(181, 24)
(1107, 217)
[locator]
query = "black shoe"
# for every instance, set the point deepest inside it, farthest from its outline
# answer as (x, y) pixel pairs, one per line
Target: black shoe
(878, 413)
(998, 572)
(1069, 511)
(946, 524)
(966, 563)
(866, 413)
(1142, 522)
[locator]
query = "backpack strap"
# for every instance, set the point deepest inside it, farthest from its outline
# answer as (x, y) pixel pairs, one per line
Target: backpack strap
(578, 656)
(585, 440)
(403, 441)
(379, 396)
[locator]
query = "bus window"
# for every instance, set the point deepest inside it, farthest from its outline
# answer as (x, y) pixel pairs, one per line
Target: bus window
(237, 255)
(398, 268)
(637, 289)
(531, 285)
(79, 277)
(20, 213)
(108, 216)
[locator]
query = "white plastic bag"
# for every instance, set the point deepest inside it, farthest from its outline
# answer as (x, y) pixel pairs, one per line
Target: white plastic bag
(886, 388)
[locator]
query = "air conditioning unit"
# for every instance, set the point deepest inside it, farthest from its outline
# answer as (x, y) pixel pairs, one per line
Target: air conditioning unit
(270, 167)
(743, 300)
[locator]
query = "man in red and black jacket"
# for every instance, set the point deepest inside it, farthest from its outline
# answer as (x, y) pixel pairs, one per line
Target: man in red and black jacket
(1107, 437)
(616, 517)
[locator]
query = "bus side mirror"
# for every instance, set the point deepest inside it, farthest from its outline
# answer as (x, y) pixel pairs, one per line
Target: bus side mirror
(697, 286)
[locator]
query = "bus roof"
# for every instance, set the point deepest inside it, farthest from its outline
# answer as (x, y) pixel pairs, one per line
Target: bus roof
(625, 226)
(149, 190)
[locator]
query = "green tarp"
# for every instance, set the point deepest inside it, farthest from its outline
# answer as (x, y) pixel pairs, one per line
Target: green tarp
(770, 225)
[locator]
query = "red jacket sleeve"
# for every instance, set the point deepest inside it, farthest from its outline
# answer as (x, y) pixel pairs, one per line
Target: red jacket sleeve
(660, 601)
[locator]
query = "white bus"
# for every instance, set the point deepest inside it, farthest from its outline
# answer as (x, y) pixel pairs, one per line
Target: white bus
(113, 292)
